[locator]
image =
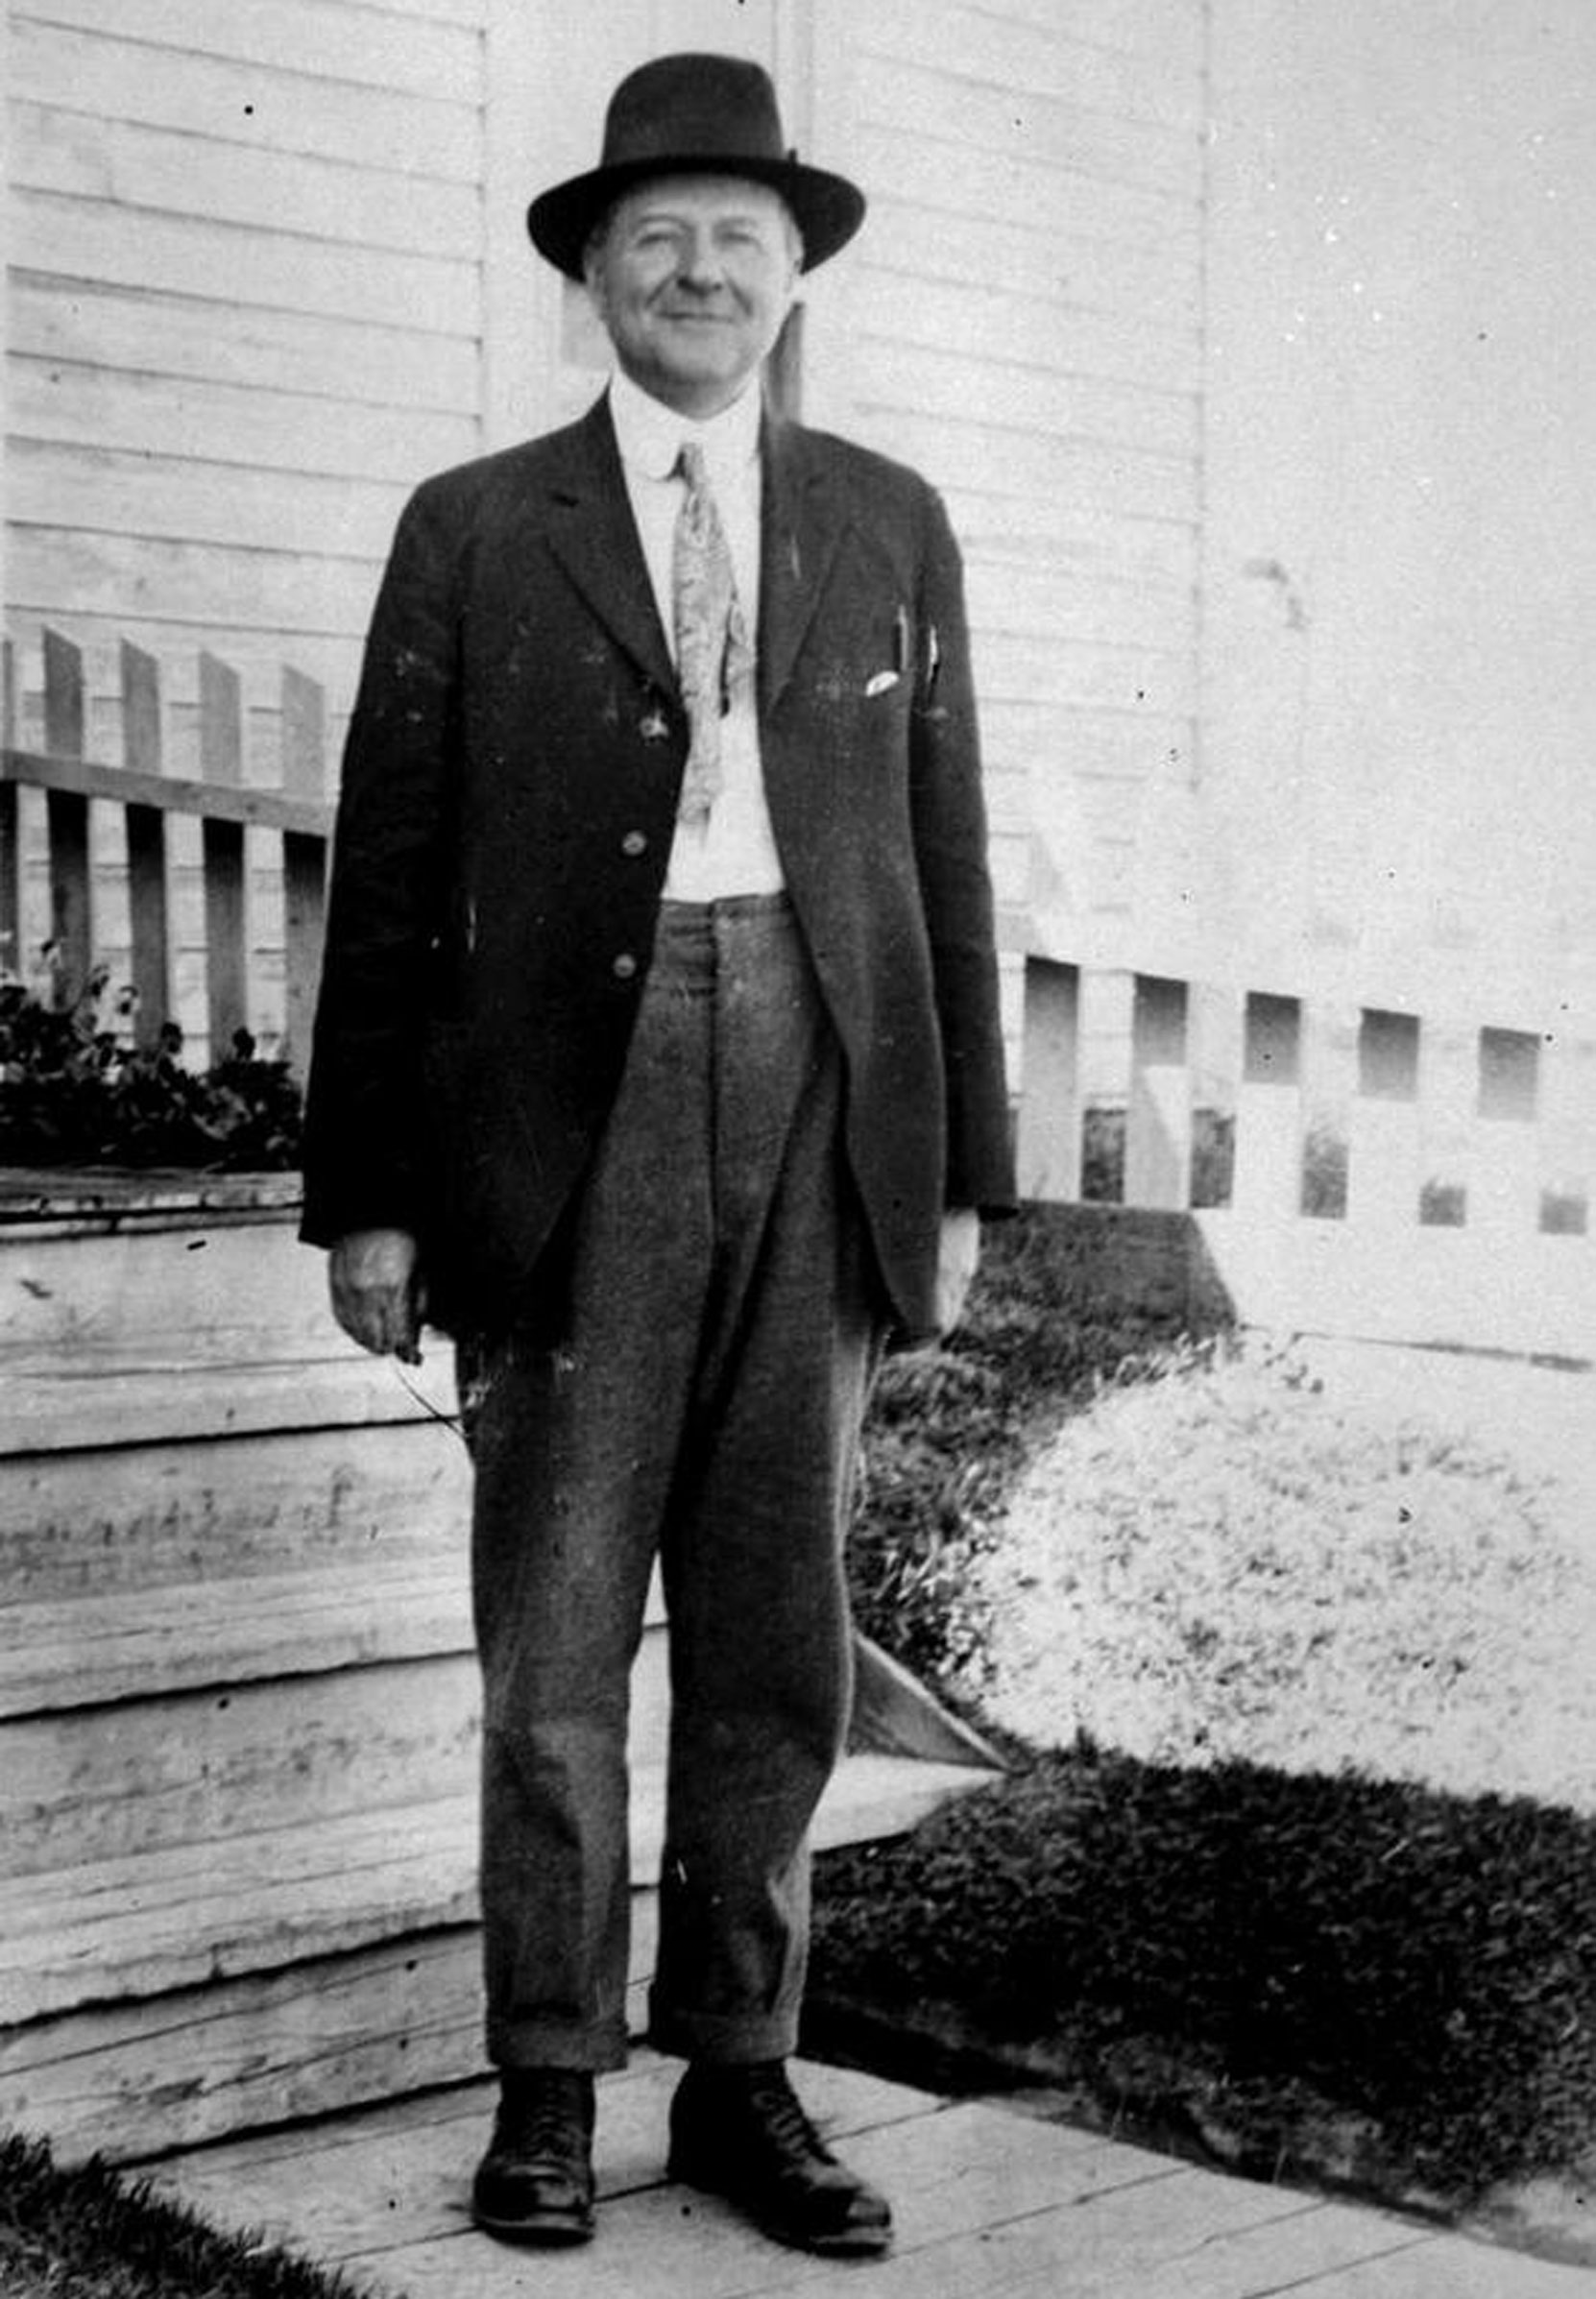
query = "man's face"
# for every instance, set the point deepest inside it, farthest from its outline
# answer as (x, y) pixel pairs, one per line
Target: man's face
(692, 277)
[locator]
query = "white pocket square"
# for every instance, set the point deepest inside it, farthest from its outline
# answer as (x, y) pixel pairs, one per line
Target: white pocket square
(881, 683)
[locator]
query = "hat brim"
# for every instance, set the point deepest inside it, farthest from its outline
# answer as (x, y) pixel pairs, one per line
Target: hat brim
(828, 209)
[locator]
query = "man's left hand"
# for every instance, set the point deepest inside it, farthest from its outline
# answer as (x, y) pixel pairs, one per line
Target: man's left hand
(958, 1250)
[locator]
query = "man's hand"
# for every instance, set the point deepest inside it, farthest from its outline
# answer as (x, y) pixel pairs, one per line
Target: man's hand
(958, 1250)
(377, 1296)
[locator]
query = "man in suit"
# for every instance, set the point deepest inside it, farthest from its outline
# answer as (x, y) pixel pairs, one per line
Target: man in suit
(658, 1060)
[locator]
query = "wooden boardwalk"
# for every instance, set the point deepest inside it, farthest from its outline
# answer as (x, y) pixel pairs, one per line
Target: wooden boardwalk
(993, 2201)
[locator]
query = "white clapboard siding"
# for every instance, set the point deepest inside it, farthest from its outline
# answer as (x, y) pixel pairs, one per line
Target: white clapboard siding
(227, 423)
(1029, 268)
(132, 328)
(214, 584)
(944, 104)
(948, 382)
(152, 169)
(240, 265)
(169, 498)
(1024, 323)
(339, 43)
(247, 254)
(296, 109)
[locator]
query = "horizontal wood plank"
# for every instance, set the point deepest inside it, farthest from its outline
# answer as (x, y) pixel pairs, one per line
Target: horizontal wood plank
(118, 1648)
(241, 266)
(973, 102)
(1059, 53)
(1064, 603)
(309, 355)
(1148, 347)
(421, 55)
(146, 1926)
(1047, 261)
(1130, 680)
(111, 79)
(118, 786)
(157, 169)
(1004, 529)
(387, 1502)
(166, 498)
(184, 1916)
(938, 173)
(1076, 477)
(181, 2069)
(225, 423)
(201, 585)
(200, 1769)
(1053, 402)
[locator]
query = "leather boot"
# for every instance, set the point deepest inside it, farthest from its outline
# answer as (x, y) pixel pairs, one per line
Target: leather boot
(742, 2132)
(535, 2183)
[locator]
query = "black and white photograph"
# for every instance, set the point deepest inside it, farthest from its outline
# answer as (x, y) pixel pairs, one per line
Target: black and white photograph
(797, 1149)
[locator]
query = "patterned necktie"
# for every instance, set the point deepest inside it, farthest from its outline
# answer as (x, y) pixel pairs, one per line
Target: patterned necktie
(714, 657)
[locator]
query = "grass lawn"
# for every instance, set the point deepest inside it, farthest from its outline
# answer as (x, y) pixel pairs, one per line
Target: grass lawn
(1231, 1562)
(1300, 1864)
(83, 2233)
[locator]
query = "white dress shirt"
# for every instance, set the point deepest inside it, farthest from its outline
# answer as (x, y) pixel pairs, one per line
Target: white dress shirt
(734, 851)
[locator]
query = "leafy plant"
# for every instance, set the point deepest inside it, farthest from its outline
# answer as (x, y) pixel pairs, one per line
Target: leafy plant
(74, 1091)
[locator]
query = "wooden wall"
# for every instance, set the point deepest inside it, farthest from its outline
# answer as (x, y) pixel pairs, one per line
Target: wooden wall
(1022, 320)
(269, 269)
(246, 315)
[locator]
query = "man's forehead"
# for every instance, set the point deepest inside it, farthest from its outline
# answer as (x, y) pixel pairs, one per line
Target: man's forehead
(723, 195)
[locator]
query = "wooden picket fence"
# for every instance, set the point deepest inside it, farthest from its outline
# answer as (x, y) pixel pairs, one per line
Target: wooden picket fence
(147, 800)
(1342, 1168)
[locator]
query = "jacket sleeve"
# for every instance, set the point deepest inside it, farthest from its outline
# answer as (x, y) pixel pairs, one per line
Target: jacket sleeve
(365, 1119)
(950, 852)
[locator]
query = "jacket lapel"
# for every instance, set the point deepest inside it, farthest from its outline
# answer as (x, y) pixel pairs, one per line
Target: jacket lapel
(593, 534)
(804, 525)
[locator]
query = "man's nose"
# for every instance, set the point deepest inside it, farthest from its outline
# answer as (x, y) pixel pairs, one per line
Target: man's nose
(702, 265)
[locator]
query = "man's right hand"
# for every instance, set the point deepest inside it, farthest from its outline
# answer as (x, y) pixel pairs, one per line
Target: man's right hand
(377, 1296)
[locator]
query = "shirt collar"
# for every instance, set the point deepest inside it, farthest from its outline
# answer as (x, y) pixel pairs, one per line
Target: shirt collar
(650, 435)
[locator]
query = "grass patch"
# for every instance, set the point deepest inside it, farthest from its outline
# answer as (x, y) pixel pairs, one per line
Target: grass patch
(84, 2233)
(1230, 1561)
(1264, 1957)
(1301, 1860)
(951, 1429)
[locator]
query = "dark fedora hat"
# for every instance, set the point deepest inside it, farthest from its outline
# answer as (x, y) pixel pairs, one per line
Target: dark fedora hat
(681, 115)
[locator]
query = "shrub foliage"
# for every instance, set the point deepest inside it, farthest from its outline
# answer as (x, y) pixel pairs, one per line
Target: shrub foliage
(74, 1092)
(1424, 1964)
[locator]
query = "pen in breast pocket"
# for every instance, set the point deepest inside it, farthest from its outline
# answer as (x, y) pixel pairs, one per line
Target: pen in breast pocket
(900, 642)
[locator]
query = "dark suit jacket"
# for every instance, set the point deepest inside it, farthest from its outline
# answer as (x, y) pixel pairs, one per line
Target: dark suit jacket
(509, 792)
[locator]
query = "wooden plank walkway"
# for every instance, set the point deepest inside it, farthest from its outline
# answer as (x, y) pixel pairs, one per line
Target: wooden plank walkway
(993, 2201)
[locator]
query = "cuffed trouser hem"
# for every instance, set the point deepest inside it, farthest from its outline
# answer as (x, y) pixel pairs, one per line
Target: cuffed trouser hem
(584, 2051)
(733, 2039)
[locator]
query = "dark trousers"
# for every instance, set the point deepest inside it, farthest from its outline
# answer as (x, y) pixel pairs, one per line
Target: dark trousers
(705, 1409)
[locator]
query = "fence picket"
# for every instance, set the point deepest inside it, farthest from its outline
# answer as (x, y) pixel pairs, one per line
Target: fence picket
(1267, 1175)
(227, 934)
(1158, 1124)
(303, 858)
(71, 916)
(150, 958)
(11, 845)
(1050, 1149)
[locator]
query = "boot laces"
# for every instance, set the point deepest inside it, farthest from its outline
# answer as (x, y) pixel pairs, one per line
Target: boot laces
(782, 2112)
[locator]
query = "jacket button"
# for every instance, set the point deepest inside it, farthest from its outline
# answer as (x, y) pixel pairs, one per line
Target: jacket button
(634, 844)
(623, 967)
(655, 728)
